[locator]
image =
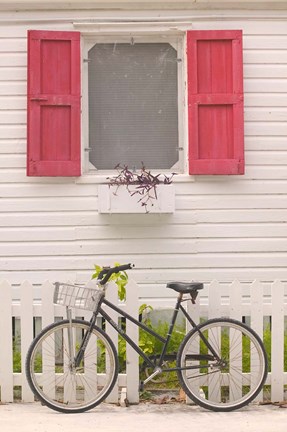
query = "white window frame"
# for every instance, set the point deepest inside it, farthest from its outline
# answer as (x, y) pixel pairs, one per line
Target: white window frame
(132, 33)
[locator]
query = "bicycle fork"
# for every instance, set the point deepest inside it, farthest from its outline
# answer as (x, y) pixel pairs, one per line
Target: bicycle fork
(75, 359)
(70, 340)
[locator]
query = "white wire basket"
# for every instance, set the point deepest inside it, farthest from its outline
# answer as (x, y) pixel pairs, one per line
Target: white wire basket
(77, 297)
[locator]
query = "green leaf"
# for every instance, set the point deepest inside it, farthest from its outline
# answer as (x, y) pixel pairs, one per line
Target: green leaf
(121, 279)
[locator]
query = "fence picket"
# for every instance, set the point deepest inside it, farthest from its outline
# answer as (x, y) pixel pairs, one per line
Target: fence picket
(256, 314)
(132, 332)
(235, 300)
(112, 296)
(277, 341)
(6, 351)
(47, 293)
(216, 301)
(256, 307)
(26, 317)
(235, 312)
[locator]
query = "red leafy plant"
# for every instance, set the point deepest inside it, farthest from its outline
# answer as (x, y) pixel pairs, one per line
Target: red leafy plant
(143, 182)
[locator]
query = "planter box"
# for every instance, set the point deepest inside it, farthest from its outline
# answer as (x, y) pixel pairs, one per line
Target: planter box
(114, 199)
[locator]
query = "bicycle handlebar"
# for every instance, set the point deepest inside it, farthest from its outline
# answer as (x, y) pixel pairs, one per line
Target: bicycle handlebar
(107, 272)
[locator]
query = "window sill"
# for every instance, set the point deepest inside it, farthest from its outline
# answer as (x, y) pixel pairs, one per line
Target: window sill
(101, 179)
(113, 199)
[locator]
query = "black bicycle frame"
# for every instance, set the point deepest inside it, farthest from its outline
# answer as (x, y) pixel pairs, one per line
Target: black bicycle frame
(125, 336)
(165, 341)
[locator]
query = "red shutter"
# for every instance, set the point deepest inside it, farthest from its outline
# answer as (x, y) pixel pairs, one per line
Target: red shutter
(215, 102)
(53, 104)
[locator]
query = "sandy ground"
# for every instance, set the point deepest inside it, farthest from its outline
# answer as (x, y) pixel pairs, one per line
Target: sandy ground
(142, 418)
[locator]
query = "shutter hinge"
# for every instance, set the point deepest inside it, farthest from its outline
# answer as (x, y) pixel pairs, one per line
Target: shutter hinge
(38, 99)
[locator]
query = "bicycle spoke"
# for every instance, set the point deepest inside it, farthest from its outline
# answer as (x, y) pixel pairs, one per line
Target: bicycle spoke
(233, 381)
(54, 378)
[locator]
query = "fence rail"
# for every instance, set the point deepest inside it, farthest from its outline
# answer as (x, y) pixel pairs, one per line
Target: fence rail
(27, 309)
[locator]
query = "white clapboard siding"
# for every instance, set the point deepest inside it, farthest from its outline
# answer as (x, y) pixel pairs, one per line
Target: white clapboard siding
(265, 158)
(228, 186)
(253, 86)
(265, 56)
(91, 218)
(15, 146)
(13, 103)
(267, 129)
(12, 161)
(49, 204)
(13, 117)
(223, 227)
(46, 190)
(194, 231)
(220, 186)
(264, 99)
(12, 131)
(9, 59)
(18, 88)
(146, 247)
(256, 173)
(259, 42)
(13, 45)
(255, 301)
(272, 71)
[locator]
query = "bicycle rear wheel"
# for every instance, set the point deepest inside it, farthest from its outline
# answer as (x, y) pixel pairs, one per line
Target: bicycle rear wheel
(231, 381)
(56, 382)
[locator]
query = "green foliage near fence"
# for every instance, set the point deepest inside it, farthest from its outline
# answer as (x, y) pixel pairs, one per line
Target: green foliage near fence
(150, 345)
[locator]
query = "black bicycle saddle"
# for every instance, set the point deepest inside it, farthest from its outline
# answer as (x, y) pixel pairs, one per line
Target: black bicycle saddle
(185, 287)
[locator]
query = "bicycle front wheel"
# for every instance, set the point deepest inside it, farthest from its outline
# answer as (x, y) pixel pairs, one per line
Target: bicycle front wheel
(56, 381)
(230, 379)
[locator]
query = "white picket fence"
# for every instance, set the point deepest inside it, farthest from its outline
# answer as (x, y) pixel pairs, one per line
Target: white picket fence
(37, 302)
(257, 302)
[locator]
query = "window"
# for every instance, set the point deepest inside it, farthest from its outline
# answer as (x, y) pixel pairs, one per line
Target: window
(133, 89)
(133, 103)
(133, 113)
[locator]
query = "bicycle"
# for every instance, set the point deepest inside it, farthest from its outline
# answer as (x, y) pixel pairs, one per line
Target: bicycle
(72, 365)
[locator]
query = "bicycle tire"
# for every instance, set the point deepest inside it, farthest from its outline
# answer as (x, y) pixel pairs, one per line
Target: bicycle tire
(58, 386)
(237, 380)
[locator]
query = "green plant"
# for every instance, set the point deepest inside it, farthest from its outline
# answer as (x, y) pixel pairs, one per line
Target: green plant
(121, 279)
(17, 361)
(146, 341)
(267, 344)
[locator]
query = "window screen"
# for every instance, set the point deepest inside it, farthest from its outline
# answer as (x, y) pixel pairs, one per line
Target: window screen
(133, 105)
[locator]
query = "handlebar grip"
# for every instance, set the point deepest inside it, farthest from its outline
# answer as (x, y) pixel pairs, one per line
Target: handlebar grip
(103, 272)
(108, 272)
(123, 267)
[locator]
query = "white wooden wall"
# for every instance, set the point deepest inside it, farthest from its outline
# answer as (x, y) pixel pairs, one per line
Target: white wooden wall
(223, 227)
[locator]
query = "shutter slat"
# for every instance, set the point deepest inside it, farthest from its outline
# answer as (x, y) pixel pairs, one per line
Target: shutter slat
(215, 102)
(53, 104)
